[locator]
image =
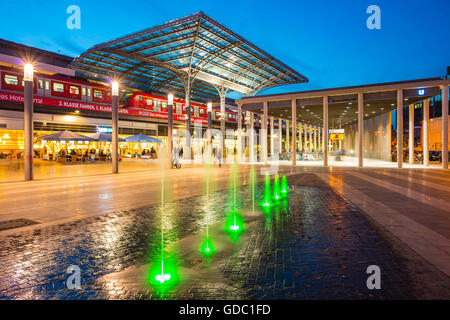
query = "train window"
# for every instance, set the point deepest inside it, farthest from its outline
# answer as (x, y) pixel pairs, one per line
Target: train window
(47, 85)
(11, 80)
(164, 106)
(98, 94)
(40, 84)
(58, 87)
(89, 91)
(149, 102)
(83, 91)
(74, 90)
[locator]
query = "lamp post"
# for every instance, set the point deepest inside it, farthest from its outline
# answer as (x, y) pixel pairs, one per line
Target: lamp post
(209, 115)
(170, 127)
(115, 126)
(28, 120)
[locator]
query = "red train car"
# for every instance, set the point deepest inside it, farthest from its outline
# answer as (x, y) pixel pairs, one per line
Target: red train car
(72, 89)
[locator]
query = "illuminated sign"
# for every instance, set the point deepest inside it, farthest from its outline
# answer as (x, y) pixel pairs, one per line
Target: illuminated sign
(421, 92)
(105, 129)
(336, 136)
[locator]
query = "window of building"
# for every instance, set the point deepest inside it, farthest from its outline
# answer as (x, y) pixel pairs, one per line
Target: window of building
(74, 90)
(98, 94)
(11, 80)
(58, 87)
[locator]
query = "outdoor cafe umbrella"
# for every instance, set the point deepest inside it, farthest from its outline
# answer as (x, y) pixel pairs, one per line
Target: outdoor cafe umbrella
(65, 136)
(142, 138)
(101, 136)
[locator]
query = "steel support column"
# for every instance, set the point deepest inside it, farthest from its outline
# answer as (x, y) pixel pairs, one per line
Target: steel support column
(425, 125)
(28, 129)
(360, 129)
(294, 132)
(187, 154)
(389, 136)
(445, 126)
(222, 95)
(287, 135)
(400, 128)
(411, 134)
(239, 135)
(310, 129)
(272, 136)
(304, 129)
(280, 135)
(325, 132)
(170, 133)
(252, 133)
(264, 131)
(115, 133)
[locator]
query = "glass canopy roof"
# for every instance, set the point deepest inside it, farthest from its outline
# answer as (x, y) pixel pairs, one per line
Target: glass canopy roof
(195, 49)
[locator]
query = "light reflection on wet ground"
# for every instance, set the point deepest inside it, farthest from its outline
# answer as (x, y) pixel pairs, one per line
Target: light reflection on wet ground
(318, 246)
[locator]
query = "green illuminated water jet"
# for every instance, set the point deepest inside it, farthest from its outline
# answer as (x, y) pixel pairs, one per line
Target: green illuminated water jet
(234, 224)
(163, 274)
(207, 248)
(252, 186)
(162, 277)
(276, 189)
(266, 202)
(284, 188)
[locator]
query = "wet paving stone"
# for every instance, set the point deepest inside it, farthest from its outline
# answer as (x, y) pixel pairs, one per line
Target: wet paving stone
(318, 246)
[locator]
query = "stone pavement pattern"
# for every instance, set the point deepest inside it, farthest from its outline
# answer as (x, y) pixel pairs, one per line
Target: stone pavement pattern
(317, 247)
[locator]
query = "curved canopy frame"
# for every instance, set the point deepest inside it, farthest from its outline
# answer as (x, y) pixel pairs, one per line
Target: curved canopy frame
(197, 47)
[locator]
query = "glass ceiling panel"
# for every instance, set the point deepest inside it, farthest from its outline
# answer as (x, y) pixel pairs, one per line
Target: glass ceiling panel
(195, 47)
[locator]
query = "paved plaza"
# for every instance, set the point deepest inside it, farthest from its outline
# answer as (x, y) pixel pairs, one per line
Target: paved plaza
(318, 245)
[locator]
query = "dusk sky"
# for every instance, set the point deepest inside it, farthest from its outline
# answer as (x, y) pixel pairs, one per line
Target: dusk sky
(327, 41)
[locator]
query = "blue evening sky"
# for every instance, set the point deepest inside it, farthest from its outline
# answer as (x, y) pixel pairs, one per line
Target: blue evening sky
(327, 41)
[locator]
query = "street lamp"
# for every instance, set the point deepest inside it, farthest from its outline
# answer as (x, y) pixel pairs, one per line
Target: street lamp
(115, 125)
(28, 120)
(209, 115)
(28, 71)
(115, 89)
(170, 128)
